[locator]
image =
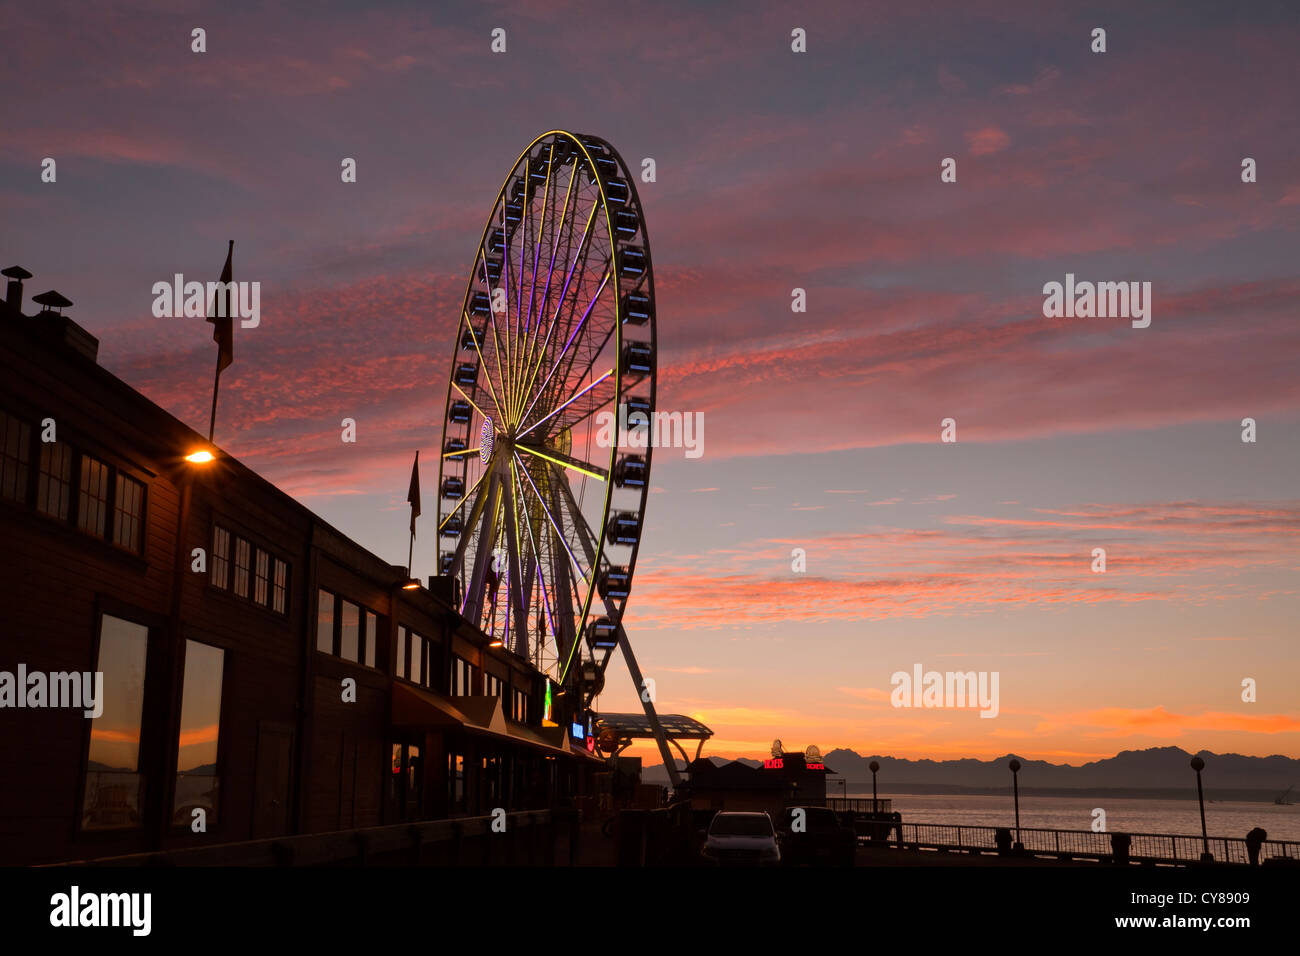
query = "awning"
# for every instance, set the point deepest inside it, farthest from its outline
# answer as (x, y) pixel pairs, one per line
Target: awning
(481, 715)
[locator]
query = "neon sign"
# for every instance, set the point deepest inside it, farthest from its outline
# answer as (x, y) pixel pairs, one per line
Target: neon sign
(816, 766)
(776, 763)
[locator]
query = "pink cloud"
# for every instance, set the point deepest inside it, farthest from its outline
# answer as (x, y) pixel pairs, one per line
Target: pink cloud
(987, 140)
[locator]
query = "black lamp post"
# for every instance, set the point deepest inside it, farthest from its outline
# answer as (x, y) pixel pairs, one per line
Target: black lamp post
(1015, 789)
(1206, 856)
(874, 766)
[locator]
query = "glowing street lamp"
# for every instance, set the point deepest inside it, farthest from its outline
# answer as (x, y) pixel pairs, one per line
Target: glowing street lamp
(200, 457)
(1206, 856)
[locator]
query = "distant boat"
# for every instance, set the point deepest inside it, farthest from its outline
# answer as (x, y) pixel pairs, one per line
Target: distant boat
(1285, 800)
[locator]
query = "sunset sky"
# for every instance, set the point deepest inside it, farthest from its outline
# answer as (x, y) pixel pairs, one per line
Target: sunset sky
(775, 170)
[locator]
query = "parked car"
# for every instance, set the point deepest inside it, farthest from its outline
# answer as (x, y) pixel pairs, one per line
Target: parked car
(815, 836)
(741, 839)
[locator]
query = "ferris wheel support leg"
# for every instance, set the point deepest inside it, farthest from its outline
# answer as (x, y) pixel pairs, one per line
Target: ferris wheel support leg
(515, 581)
(483, 556)
(670, 762)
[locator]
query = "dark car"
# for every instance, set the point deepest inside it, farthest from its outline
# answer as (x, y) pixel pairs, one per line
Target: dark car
(815, 836)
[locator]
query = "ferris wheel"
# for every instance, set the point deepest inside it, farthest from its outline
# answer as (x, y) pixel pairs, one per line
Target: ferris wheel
(542, 485)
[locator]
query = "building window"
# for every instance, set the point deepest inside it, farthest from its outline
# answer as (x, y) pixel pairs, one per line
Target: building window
(400, 663)
(113, 779)
(54, 481)
(269, 576)
(128, 514)
(243, 558)
(325, 622)
(462, 677)
(519, 705)
(220, 557)
(413, 782)
(92, 496)
(433, 671)
(15, 451)
(456, 782)
(197, 780)
(280, 588)
(349, 631)
(417, 658)
(262, 578)
(493, 685)
(372, 637)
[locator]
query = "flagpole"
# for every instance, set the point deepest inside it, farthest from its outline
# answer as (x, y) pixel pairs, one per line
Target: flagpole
(216, 385)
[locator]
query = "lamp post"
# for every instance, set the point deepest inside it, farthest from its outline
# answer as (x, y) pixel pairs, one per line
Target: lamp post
(1206, 856)
(874, 766)
(1015, 789)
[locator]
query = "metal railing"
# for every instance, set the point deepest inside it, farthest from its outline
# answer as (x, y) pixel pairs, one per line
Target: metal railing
(1084, 844)
(859, 804)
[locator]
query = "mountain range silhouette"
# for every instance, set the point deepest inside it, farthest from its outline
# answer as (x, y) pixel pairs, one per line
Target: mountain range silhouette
(1154, 769)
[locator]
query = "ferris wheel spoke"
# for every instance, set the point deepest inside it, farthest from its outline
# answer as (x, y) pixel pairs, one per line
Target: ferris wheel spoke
(567, 461)
(546, 510)
(577, 416)
(590, 546)
(560, 408)
(487, 283)
(471, 401)
(556, 233)
(572, 335)
(541, 357)
(521, 327)
(516, 581)
(492, 312)
(496, 401)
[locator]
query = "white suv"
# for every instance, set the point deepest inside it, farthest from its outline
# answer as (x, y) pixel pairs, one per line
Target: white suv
(741, 839)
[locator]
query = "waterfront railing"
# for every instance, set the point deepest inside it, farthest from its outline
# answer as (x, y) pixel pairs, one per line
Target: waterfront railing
(1081, 844)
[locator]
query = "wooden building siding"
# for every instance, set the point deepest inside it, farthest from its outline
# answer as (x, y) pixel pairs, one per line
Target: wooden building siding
(292, 756)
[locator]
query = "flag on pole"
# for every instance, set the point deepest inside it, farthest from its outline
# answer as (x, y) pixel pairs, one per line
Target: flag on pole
(413, 496)
(223, 331)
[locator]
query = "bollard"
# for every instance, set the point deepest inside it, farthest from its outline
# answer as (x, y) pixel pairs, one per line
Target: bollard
(1254, 840)
(1119, 847)
(1002, 839)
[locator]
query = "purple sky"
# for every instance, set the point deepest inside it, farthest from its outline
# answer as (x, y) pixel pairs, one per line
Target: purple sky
(775, 170)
